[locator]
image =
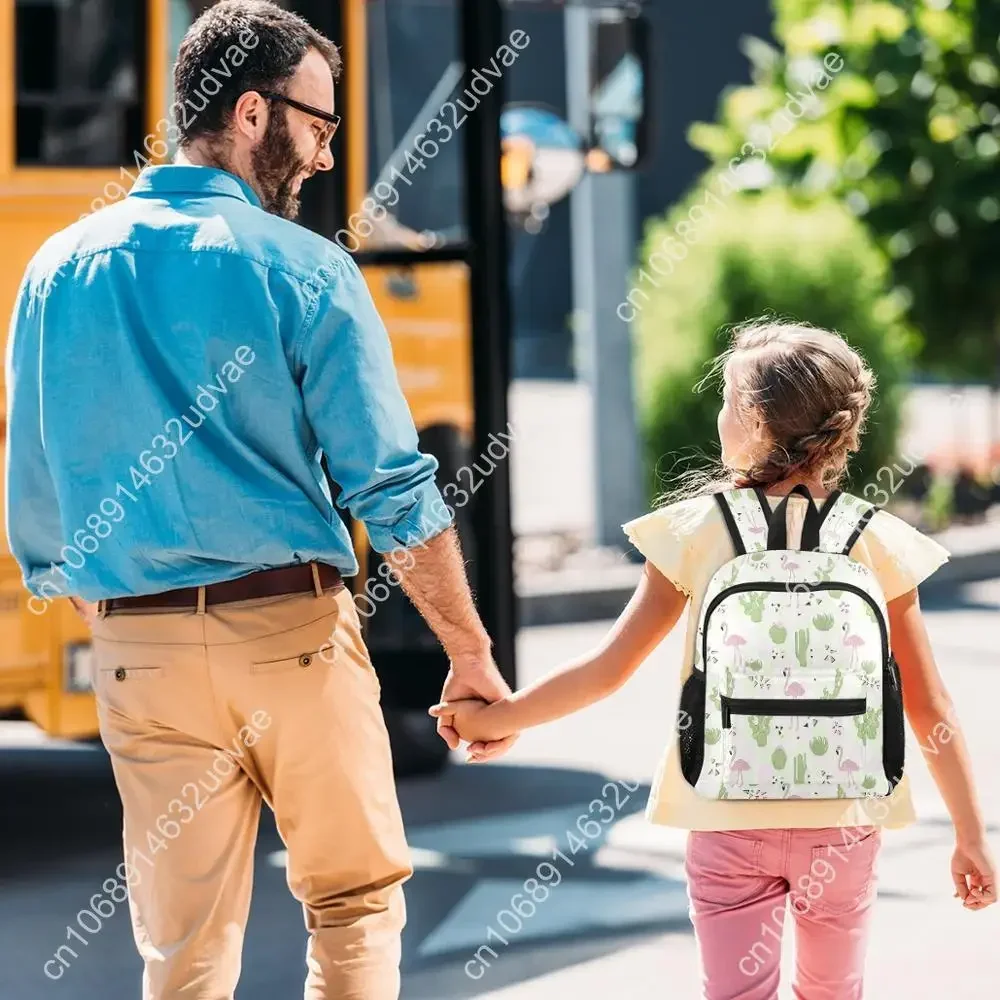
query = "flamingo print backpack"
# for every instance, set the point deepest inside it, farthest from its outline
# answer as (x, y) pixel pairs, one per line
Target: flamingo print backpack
(794, 693)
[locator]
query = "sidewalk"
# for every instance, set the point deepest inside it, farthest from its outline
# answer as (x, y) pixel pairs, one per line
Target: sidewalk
(582, 594)
(561, 577)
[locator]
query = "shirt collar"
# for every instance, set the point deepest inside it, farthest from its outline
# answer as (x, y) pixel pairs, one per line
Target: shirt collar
(176, 178)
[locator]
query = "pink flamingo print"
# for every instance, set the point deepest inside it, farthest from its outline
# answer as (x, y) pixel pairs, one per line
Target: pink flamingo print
(791, 566)
(792, 689)
(739, 767)
(846, 766)
(734, 641)
(853, 642)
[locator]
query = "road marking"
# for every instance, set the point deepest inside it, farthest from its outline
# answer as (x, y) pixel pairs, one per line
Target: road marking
(575, 906)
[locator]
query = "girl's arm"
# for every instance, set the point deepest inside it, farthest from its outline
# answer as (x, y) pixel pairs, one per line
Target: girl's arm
(931, 715)
(650, 614)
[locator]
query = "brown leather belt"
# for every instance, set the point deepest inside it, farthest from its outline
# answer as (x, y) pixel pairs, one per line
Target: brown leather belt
(297, 579)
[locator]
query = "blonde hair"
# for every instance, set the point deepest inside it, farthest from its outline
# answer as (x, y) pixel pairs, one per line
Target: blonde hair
(809, 389)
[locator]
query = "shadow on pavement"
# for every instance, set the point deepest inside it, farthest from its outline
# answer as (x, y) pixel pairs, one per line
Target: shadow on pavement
(477, 833)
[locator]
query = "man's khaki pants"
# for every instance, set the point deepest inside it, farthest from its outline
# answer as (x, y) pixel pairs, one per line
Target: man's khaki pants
(207, 713)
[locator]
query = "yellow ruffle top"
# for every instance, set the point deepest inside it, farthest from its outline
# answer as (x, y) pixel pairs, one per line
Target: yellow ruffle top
(687, 542)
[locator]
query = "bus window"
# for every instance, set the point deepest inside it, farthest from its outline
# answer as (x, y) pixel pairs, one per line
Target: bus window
(415, 140)
(80, 82)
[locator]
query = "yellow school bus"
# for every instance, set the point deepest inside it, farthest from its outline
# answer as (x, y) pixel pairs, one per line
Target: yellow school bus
(85, 100)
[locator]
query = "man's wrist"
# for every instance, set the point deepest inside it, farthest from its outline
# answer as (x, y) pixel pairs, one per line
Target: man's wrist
(473, 645)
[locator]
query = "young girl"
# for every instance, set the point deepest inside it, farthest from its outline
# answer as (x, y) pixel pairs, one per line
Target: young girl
(795, 400)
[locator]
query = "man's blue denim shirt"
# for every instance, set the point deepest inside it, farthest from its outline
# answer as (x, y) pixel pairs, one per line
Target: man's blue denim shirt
(178, 364)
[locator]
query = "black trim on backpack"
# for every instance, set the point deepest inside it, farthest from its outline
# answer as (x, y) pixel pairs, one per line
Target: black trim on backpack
(734, 531)
(777, 531)
(811, 529)
(861, 525)
(691, 727)
(893, 728)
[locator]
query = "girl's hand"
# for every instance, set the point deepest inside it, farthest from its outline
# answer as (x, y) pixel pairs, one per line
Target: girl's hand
(974, 875)
(474, 719)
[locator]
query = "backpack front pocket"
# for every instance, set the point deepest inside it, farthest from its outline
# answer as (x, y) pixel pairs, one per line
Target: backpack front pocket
(798, 747)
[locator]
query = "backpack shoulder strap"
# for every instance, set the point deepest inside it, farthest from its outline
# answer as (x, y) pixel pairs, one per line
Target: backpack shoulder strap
(747, 514)
(843, 524)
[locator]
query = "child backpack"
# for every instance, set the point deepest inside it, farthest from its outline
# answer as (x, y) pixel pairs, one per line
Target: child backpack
(794, 693)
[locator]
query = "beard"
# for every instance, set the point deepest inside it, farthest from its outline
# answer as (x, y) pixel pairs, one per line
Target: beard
(276, 164)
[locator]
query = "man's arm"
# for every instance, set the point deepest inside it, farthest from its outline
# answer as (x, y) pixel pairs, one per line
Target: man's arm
(362, 421)
(433, 576)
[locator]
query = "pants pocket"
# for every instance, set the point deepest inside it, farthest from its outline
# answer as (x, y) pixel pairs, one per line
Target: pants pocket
(723, 867)
(841, 874)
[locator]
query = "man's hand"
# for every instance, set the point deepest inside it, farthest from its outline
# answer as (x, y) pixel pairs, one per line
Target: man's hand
(473, 676)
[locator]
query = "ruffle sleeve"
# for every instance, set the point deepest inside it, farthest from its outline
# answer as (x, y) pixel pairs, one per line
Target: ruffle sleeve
(669, 538)
(901, 556)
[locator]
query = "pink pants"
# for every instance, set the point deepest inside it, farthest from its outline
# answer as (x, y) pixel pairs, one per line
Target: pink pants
(739, 883)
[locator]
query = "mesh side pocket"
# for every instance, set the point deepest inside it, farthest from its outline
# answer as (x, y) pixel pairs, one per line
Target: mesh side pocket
(893, 729)
(691, 727)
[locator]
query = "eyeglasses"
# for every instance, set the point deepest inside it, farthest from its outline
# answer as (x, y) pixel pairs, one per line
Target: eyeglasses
(332, 121)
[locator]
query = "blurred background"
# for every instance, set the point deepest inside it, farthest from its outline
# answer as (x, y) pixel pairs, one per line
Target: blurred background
(560, 209)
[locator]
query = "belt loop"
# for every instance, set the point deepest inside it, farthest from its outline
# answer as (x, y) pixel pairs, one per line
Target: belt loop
(317, 583)
(201, 600)
(102, 609)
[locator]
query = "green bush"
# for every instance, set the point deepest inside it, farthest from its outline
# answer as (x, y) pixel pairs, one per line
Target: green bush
(755, 255)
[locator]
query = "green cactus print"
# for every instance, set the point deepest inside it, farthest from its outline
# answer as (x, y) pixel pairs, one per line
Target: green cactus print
(867, 724)
(712, 736)
(869, 782)
(760, 728)
(841, 794)
(836, 594)
(802, 647)
(730, 683)
(753, 606)
(823, 622)
(715, 698)
(868, 666)
(838, 683)
(779, 759)
(799, 768)
(819, 745)
(755, 665)
(778, 634)
(824, 573)
(723, 791)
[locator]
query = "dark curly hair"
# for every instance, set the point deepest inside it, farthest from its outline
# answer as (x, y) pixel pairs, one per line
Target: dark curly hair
(236, 46)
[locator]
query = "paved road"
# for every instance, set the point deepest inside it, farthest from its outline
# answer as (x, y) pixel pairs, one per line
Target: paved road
(615, 927)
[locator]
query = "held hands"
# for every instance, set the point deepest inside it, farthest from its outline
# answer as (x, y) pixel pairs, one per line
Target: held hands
(473, 675)
(474, 719)
(974, 875)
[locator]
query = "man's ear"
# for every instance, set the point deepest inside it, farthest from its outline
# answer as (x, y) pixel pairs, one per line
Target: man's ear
(250, 115)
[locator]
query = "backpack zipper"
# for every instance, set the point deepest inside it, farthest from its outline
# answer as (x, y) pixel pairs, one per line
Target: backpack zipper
(790, 706)
(776, 588)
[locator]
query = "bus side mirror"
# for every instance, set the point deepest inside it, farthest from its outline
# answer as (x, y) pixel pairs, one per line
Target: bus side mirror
(619, 89)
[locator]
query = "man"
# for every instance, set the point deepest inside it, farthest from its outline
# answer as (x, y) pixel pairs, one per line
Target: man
(178, 364)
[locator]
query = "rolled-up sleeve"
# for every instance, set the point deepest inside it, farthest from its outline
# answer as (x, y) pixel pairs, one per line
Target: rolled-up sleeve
(361, 419)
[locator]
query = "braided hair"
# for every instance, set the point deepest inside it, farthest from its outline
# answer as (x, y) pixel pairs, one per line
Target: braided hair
(811, 393)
